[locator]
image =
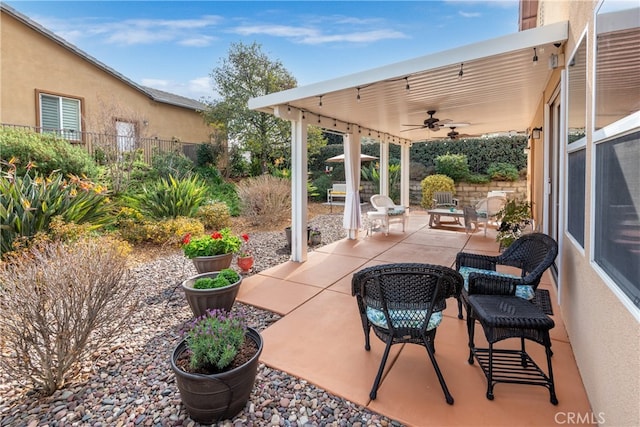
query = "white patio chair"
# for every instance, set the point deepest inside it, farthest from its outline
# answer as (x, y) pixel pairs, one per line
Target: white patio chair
(488, 209)
(392, 213)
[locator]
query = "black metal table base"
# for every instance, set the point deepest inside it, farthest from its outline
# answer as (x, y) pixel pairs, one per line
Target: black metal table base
(511, 366)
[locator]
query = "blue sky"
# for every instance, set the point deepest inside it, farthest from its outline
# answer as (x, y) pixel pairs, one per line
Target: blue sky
(174, 45)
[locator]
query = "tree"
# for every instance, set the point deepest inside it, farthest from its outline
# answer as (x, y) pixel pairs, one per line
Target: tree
(246, 73)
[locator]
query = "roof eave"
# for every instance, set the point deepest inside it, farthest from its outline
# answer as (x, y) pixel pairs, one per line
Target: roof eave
(551, 33)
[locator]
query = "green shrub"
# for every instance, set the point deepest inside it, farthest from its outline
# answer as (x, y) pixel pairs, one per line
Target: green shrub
(28, 205)
(135, 229)
(477, 178)
(171, 198)
(434, 183)
(322, 183)
(219, 189)
(48, 152)
(214, 215)
(207, 154)
(171, 163)
(454, 166)
(60, 305)
(503, 172)
(265, 199)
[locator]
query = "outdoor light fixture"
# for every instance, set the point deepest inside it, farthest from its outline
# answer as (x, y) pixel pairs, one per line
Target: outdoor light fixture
(536, 133)
(535, 56)
(460, 73)
(407, 87)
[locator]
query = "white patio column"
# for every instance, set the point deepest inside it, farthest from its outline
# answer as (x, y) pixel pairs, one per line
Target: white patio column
(351, 220)
(298, 189)
(384, 166)
(405, 168)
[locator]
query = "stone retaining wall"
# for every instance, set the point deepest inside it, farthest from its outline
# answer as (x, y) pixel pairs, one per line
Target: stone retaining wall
(466, 193)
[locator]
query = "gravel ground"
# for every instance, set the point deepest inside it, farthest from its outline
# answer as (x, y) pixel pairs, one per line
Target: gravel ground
(131, 383)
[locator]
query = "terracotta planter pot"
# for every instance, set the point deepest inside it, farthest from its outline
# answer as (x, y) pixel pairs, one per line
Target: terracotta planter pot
(205, 264)
(245, 263)
(210, 398)
(202, 299)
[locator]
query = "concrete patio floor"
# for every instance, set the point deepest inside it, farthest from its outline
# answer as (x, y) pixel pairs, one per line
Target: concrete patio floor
(320, 337)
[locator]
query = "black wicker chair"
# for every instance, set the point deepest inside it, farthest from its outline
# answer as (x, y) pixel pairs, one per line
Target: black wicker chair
(532, 253)
(413, 297)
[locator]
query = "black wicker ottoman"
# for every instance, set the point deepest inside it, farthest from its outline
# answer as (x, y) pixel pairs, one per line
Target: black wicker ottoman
(503, 317)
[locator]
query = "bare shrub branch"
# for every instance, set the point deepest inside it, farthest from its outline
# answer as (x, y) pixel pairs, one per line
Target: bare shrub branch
(265, 199)
(59, 303)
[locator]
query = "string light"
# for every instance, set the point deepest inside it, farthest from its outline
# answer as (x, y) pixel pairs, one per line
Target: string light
(358, 97)
(535, 56)
(320, 102)
(407, 87)
(460, 73)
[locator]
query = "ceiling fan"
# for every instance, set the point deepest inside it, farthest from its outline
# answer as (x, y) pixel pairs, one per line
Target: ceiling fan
(432, 123)
(454, 134)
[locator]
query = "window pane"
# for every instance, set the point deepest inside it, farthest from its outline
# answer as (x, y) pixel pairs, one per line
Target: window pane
(576, 195)
(50, 112)
(71, 118)
(617, 64)
(617, 225)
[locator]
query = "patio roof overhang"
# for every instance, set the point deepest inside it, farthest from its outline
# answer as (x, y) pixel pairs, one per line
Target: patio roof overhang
(499, 91)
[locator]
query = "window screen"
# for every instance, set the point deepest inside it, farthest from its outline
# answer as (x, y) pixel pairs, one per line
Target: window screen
(617, 226)
(576, 195)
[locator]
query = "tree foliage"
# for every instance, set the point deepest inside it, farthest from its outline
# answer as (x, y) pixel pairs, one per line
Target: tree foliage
(245, 73)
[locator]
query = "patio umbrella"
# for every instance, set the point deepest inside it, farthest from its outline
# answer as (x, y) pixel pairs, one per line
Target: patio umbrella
(340, 158)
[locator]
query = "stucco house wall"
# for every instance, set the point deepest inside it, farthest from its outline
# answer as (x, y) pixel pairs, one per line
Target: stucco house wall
(33, 59)
(604, 332)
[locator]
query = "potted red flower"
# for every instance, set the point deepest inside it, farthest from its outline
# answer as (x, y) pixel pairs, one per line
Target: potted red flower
(211, 252)
(245, 257)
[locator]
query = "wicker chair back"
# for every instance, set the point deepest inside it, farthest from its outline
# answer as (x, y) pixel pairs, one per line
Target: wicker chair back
(403, 304)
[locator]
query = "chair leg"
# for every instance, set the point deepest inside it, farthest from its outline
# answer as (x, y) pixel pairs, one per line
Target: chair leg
(376, 382)
(552, 388)
(460, 308)
(443, 384)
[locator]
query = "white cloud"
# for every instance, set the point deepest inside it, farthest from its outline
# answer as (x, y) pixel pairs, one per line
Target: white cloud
(201, 41)
(469, 14)
(275, 30)
(357, 37)
(306, 35)
(198, 88)
(187, 32)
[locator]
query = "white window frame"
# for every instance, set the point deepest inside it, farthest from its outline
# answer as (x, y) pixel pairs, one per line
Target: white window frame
(620, 128)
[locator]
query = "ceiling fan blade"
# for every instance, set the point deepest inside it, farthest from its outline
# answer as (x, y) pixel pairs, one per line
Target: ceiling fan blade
(455, 125)
(444, 122)
(421, 125)
(416, 128)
